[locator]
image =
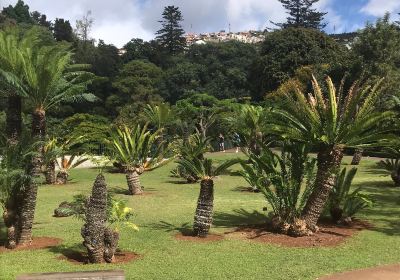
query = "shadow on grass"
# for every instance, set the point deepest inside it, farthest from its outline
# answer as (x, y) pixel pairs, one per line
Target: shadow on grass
(185, 229)
(239, 217)
(70, 252)
(124, 191)
(179, 182)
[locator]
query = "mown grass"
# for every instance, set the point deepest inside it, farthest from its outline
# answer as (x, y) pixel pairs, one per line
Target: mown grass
(170, 207)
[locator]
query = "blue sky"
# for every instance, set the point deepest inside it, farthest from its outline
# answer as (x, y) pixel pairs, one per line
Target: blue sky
(118, 21)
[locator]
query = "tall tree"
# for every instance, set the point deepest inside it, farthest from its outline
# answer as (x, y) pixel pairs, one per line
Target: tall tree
(170, 36)
(301, 14)
(330, 121)
(62, 30)
(19, 12)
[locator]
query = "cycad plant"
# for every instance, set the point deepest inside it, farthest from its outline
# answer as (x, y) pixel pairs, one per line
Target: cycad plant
(343, 203)
(392, 166)
(248, 121)
(138, 150)
(286, 181)
(204, 169)
(13, 179)
(192, 149)
(330, 121)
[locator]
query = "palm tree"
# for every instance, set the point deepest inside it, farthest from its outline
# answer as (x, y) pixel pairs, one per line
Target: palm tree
(12, 179)
(330, 121)
(248, 122)
(358, 153)
(203, 169)
(50, 78)
(139, 151)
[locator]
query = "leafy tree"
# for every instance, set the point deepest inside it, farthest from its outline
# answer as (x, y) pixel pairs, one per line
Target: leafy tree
(284, 51)
(137, 84)
(41, 19)
(170, 36)
(301, 14)
(19, 12)
(330, 121)
(62, 30)
(376, 50)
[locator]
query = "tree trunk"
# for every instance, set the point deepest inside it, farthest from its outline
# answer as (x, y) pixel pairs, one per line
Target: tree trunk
(50, 173)
(358, 153)
(132, 178)
(62, 177)
(13, 131)
(14, 119)
(10, 217)
(204, 211)
(96, 217)
(328, 162)
(29, 195)
(111, 238)
(396, 178)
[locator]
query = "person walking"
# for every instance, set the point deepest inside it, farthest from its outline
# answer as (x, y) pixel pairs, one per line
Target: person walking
(221, 142)
(236, 141)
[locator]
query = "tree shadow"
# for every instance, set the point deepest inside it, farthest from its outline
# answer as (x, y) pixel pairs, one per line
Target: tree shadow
(185, 229)
(74, 252)
(179, 182)
(239, 217)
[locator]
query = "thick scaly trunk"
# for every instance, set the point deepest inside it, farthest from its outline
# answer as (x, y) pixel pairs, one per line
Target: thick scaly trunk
(10, 217)
(62, 177)
(29, 195)
(358, 153)
(14, 119)
(50, 173)
(396, 177)
(328, 162)
(204, 211)
(13, 131)
(96, 217)
(132, 178)
(111, 238)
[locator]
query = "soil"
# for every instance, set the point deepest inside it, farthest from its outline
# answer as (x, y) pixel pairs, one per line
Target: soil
(80, 258)
(38, 243)
(189, 236)
(387, 272)
(329, 235)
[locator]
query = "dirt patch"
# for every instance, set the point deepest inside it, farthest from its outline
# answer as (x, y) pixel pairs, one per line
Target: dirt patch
(387, 272)
(38, 243)
(80, 258)
(330, 235)
(189, 236)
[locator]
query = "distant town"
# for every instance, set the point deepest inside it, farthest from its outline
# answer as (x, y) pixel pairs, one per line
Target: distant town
(250, 37)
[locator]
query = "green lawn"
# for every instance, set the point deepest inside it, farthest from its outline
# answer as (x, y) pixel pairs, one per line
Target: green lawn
(171, 207)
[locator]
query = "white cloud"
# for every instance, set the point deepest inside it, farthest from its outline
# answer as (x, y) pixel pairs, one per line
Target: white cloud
(379, 7)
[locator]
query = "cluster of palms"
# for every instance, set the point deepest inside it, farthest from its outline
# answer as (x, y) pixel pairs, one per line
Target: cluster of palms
(36, 75)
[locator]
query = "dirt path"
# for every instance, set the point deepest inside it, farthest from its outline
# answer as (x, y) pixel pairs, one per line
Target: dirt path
(387, 272)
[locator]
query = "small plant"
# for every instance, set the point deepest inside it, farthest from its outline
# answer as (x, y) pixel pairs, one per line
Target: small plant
(190, 150)
(344, 204)
(285, 180)
(66, 164)
(204, 169)
(138, 150)
(392, 166)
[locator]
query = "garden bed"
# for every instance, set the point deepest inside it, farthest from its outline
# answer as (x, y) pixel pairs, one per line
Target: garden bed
(38, 243)
(81, 258)
(329, 235)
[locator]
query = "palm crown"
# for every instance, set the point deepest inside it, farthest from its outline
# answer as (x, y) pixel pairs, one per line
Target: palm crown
(332, 118)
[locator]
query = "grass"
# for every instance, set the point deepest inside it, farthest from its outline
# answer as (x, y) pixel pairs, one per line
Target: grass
(170, 208)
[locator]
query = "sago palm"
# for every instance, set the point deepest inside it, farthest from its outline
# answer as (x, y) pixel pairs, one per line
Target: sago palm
(204, 169)
(139, 150)
(330, 121)
(50, 78)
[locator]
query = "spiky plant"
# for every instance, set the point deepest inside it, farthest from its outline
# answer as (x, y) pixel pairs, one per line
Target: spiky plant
(392, 166)
(192, 149)
(204, 169)
(330, 121)
(139, 151)
(248, 121)
(342, 202)
(285, 180)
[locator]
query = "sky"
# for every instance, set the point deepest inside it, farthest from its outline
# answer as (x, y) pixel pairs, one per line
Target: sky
(118, 21)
